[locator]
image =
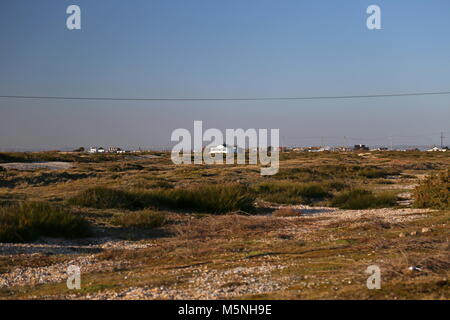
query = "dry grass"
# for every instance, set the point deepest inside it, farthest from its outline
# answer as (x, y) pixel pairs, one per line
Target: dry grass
(227, 225)
(145, 219)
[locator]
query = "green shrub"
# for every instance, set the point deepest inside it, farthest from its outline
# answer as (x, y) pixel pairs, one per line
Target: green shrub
(103, 198)
(161, 184)
(124, 167)
(285, 192)
(434, 192)
(158, 184)
(331, 172)
(376, 173)
(145, 219)
(362, 199)
(335, 185)
(209, 198)
(31, 220)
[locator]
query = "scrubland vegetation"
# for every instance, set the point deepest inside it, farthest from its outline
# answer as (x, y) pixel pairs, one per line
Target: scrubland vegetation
(31, 220)
(434, 192)
(215, 199)
(147, 219)
(310, 219)
(363, 199)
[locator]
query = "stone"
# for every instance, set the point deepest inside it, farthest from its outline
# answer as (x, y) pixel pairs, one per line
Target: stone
(425, 230)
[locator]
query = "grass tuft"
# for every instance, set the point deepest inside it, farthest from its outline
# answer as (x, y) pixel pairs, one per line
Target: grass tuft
(286, 192)
(362, 199)
(145, 219)
(30, 220)
(103, 198)
(216, 199)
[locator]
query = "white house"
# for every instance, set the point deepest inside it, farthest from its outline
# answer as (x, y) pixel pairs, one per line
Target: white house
(434, 149)
(114, 149)
(224, 149)
(96, 150)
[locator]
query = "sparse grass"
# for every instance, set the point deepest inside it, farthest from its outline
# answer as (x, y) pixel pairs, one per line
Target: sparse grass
(31, 220)
(145, 219)
(362, 199)
(434, 192)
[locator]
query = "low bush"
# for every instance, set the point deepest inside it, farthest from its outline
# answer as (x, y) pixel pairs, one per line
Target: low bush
(30, 220)
(362, 199)
(434, 192)
(328, 172)
(103, 198)
(208, 198)
(145, 219)
(376, 173)
(286, 192)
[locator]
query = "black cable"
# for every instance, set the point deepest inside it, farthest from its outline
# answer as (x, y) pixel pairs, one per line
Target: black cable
(231, 99)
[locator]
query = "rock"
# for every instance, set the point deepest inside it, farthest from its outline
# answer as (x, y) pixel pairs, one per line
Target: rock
(401, 235)
(413, 233)
(425, 230)
(415, 268)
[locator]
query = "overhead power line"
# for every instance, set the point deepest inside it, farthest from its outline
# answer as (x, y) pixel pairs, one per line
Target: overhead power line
(387, 95)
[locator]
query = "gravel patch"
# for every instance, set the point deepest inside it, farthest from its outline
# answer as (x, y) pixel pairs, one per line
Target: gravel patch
(51, 165)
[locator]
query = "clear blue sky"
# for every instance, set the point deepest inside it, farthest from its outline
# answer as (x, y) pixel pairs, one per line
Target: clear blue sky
(232, 48)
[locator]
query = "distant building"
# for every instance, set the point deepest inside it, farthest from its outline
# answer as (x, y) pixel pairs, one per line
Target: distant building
(97, 150)
(360, 147)
(342, 149)
(224, 149)
(381, 149)
(114, 150)
(312, 149)
(437, 149)
(322, 149)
